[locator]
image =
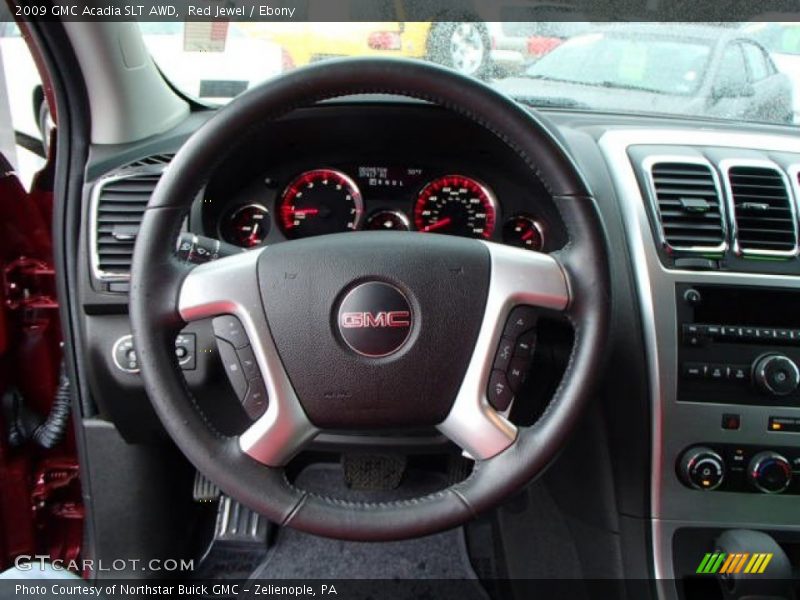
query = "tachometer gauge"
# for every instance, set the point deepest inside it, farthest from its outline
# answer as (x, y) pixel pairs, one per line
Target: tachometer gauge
(524, 232)
(318, 202)
(457, 205)
(246, 226)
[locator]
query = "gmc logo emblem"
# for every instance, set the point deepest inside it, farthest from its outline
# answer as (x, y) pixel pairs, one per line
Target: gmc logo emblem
(368, 320)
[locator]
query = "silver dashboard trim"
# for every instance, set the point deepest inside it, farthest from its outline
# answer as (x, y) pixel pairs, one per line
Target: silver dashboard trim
(652, 196)
(672, 504)
(725, 167)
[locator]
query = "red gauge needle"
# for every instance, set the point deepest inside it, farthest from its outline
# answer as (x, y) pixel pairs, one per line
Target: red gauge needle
(438, 225)
(252, 239)
(305, 212)
(528, 235)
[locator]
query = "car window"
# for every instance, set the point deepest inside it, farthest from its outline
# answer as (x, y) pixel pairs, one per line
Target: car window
(781, 38)
(757, 62)
(20, 99)
(535, 52)
(661, 66)
(732, 72)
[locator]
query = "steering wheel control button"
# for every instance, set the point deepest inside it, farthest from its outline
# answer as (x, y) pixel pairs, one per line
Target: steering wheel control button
(505, 352)
(228, 327)
(375, 319)
(255, 400)
(233, 368)
(517, 373)
(702, 469)
(248, 361)
(521, 319)
(770, 472)
(776, 374)
(499, 391)
(526, 344)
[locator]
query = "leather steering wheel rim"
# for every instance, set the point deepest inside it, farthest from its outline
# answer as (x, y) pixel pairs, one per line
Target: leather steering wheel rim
(158, 279)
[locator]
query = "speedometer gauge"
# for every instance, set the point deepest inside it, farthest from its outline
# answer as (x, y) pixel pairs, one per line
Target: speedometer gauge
(318, 202)
(457, 205)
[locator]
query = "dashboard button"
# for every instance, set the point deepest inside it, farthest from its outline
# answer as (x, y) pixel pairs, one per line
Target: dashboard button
(702, 468)
(694, 335)
(228, 327)
(776, 374)
(739, 372)
(731, 421)
(695, 370)
(499, 391)
(769, 472)
(230, 363)
(717, 372)
(255, 401)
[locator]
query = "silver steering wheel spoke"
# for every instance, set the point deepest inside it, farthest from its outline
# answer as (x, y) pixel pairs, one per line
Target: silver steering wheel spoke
(229, 286)
(518, 277)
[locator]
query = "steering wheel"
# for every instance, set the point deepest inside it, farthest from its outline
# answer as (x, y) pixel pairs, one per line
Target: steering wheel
(371, 330)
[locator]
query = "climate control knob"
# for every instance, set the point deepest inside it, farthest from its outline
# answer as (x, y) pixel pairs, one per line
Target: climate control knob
(701, 468)
(770, 472)
(776, 374)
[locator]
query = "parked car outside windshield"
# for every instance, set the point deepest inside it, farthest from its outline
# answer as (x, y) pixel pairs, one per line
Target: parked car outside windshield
(703, 70)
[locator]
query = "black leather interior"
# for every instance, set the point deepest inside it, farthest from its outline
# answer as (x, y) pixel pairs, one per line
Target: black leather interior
(156, 279)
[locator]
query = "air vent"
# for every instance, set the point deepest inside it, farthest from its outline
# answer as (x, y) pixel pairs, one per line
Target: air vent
(763, 213)
(148, 161)
(119, 203)
(689, 207)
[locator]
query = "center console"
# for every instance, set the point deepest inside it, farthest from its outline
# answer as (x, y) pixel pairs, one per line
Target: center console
(711, 222)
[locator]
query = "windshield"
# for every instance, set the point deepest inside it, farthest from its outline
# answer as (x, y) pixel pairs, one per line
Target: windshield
(737, 71)
(660, 66)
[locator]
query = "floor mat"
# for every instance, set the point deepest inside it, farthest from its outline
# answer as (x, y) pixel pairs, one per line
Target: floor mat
(442, 556)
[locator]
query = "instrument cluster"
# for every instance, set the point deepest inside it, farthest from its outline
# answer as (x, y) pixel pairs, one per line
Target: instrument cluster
(372, 197)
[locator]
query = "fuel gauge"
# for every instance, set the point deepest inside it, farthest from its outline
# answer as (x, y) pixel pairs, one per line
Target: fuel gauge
(524, 232)
(246, 226)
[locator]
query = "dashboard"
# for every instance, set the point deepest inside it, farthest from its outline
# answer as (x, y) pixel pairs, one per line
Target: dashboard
(370, 197)
(435, 177)
(696, 255)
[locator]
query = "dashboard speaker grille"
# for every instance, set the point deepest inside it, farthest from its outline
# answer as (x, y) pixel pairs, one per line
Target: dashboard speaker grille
(119, 204)
(764, 217)
(689, 206)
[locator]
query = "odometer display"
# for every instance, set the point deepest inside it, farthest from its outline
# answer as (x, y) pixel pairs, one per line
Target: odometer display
(456, 205)
(319, 202)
